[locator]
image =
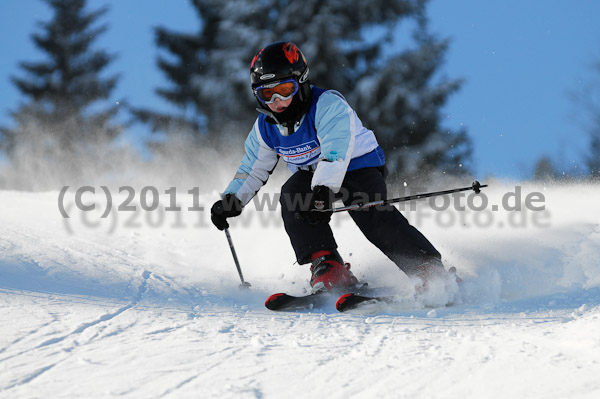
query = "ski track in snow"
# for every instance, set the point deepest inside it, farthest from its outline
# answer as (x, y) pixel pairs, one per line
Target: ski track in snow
(155, 312)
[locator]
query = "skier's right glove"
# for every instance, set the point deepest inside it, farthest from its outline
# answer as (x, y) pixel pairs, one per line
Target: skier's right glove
(228, 207)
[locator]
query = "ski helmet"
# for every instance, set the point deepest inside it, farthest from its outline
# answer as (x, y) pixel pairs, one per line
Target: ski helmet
(277, 62)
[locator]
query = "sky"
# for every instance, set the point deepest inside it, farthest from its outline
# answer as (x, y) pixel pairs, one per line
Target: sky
(520, 60)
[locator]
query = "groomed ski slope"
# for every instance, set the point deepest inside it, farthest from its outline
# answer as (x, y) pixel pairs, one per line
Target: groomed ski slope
(140, 305)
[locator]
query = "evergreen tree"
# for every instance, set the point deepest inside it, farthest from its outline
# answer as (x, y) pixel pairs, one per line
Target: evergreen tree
(545, 170)
(593, 158)
(208, 72)
(56, 131)
(393, 91)
(401, 102)
(587, 113)
(593, 161)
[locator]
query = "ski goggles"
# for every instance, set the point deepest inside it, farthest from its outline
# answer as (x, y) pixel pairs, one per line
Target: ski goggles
(284, 90)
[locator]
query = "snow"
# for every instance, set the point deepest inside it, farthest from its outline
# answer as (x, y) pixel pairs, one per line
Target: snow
(146, 304)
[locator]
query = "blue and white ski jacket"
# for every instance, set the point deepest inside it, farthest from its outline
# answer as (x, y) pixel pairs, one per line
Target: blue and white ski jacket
(330, 140)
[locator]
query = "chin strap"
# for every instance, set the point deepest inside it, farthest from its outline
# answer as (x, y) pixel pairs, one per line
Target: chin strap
(288, 126)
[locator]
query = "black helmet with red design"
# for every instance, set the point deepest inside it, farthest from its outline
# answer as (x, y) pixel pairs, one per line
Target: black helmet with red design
(281, 62)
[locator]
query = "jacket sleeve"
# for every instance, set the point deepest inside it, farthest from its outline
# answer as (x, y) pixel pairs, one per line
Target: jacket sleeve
(337, 125)
(256, 167)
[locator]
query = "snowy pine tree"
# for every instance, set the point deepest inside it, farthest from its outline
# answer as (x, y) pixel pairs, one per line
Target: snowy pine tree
(593, 106)
(392, 89)
(60, 132)
(401, 101)
(544, 170)
(586, 104)
(593, 160)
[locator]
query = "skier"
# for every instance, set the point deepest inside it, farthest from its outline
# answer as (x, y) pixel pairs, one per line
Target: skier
(332, 156)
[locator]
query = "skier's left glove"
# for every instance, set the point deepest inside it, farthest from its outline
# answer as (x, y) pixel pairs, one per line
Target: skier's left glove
(320, 206)
(228, 207)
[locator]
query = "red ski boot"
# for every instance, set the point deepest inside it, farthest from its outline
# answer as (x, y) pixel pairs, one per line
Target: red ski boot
(431, 269)
(328, 271)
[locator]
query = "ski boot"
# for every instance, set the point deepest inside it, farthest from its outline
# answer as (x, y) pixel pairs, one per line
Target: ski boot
(431, 269)
(330, 272)
(452, 272)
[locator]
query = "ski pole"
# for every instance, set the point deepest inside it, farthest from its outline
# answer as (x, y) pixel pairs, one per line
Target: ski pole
(244, 284)
(476, 187)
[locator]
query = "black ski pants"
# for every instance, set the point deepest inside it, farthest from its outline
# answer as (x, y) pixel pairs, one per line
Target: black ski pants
(384, 226)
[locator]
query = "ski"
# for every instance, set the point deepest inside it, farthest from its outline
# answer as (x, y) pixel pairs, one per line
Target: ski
(319, 299)
(351, 301)
(359, 296)
(283, 301)
(378, 297)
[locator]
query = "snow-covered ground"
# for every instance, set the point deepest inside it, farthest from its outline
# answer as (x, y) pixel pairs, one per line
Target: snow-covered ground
(146, 304)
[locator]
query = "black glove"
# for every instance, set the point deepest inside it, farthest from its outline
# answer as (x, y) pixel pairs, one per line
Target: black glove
(230, 206)
(322, 198)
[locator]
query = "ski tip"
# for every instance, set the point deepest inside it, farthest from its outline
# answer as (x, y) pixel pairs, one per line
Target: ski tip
(339, 304)
(272, 302)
